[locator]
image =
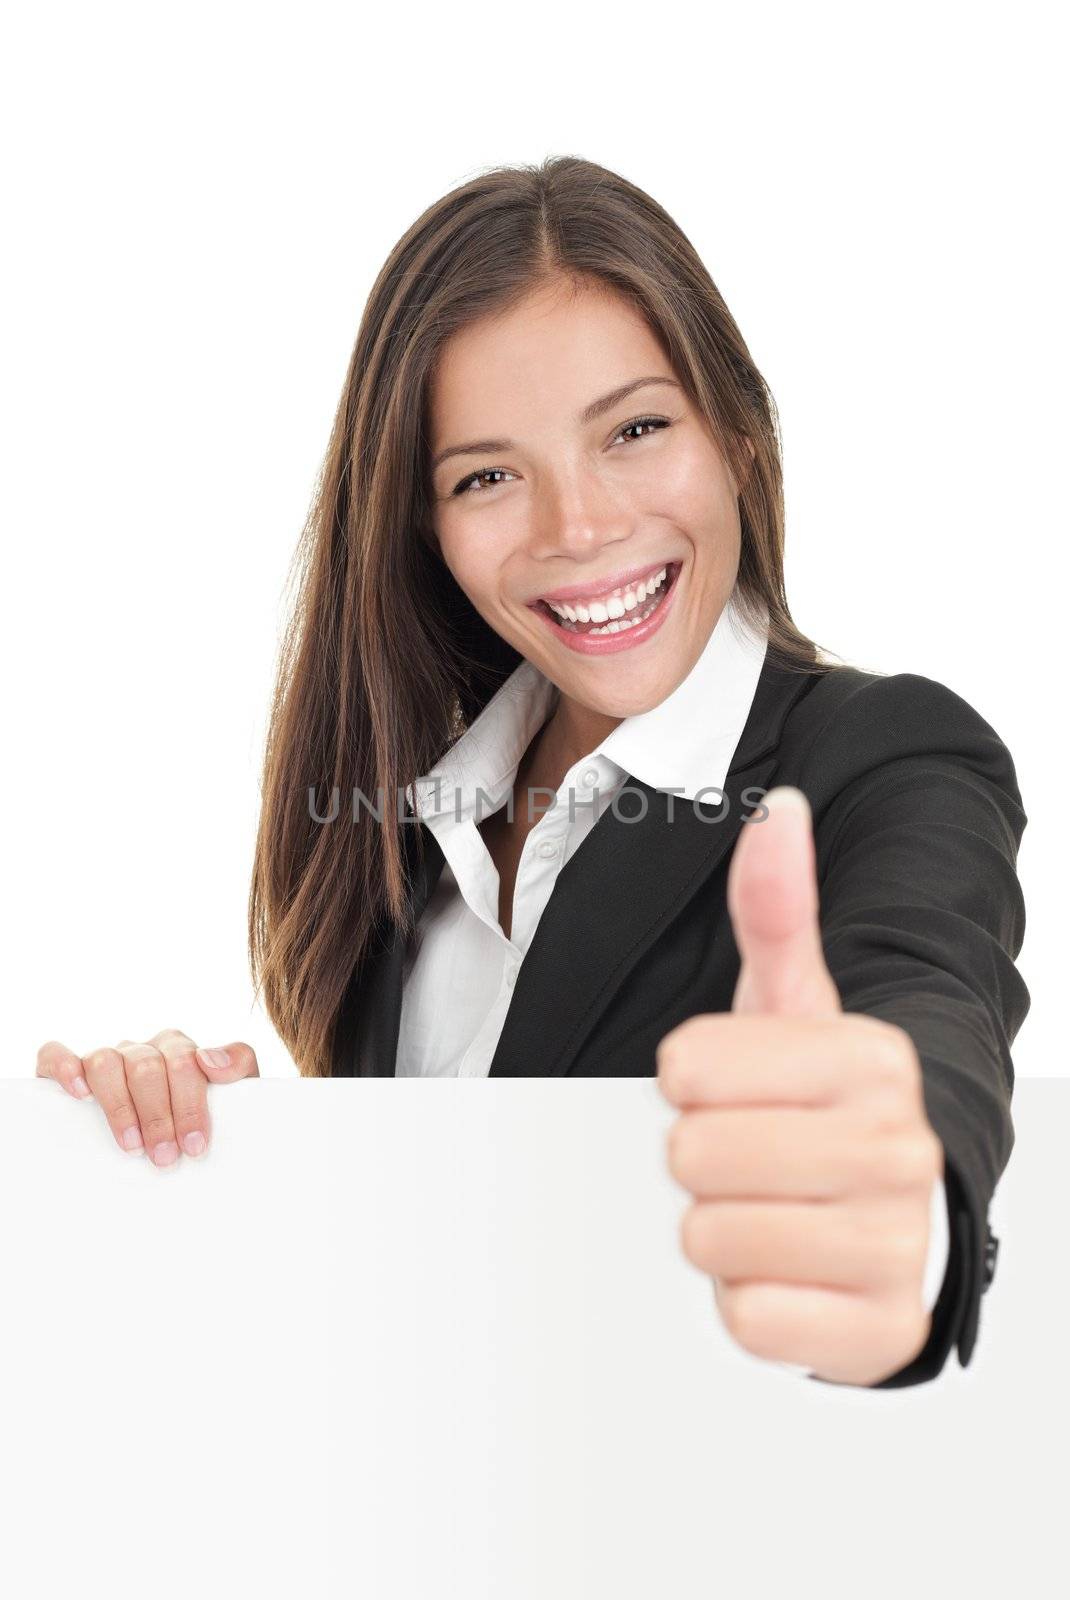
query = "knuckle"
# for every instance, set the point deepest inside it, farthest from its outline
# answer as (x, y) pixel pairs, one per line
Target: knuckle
(184, 1065)
(171, 1033)
(103, 1059)
(247, 1058)
(909, 1161)
(890, 1050)
(190, 1113)
(143, 1063)
(138, 1047)
(158, 1127)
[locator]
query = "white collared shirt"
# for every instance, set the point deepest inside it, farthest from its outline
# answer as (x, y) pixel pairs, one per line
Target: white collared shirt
(459, 975)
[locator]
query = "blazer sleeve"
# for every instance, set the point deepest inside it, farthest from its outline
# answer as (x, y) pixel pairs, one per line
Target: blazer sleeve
(917, 823)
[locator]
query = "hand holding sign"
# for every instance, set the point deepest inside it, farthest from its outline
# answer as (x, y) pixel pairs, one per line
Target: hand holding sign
(153, 1092)
(803, 1135)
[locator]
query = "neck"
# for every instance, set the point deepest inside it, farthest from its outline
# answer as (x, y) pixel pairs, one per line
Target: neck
(571, 732)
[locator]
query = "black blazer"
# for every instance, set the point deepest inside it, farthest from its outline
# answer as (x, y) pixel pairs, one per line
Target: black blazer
(917, 823)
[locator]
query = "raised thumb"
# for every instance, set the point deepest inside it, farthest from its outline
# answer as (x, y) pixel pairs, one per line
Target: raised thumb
(773, 904)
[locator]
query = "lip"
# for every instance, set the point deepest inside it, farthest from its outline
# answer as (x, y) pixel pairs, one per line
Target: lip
(613, 580)
(606, 644)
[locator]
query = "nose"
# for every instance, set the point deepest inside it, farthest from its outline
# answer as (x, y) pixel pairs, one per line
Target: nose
(575, 516)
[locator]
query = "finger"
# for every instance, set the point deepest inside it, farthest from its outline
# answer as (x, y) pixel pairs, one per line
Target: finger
(875, 1246)
(718, 1058)
(106, 1073)
(54, 1060)
(797, 1154)
(188, 1090)
(148, 1087)
(773, 904)
(228, 1063)
(843, 1335)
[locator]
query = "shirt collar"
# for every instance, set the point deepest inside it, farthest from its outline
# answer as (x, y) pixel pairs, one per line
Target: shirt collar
(684, 744)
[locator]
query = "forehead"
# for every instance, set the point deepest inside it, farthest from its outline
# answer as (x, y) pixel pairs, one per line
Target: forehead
(556, 347)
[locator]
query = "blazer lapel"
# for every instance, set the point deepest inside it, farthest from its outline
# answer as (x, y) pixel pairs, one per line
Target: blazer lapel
(608, 905)
(621, 888)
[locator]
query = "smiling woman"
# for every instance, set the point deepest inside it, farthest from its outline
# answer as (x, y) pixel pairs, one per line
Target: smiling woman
(547, 400)
(542, 638)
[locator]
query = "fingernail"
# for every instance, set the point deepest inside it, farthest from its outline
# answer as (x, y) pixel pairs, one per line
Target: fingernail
(131, 1138)
(81, 1088)
(788, 796)
(193, 1144)
(165, 1153)
(216, 1058)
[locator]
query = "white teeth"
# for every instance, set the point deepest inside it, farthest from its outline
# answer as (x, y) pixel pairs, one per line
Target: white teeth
(645, 602)
(611, 606)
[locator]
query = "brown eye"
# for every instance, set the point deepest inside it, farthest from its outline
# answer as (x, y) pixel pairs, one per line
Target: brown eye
(473, 477)
(656, 423)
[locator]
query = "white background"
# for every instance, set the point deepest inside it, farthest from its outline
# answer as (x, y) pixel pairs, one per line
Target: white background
(196, 200)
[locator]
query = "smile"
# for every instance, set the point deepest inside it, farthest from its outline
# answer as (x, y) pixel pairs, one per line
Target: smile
(616, 620)
(621, 609)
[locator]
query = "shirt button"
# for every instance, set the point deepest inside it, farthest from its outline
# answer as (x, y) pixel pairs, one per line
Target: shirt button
(590, 777)
(548, 848)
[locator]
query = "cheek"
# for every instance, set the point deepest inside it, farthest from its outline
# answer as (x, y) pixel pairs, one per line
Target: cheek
(470, 567)
(477, 550)
(693, 488)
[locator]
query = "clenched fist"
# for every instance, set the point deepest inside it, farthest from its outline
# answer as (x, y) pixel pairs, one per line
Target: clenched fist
(803, 1135)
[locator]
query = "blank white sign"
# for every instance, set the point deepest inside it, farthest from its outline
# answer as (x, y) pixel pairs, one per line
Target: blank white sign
(432, 1338)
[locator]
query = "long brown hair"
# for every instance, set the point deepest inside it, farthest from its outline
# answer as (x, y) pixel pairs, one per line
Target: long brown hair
(385, 661)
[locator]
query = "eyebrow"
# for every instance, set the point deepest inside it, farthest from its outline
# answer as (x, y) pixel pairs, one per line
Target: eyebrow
(589, 414)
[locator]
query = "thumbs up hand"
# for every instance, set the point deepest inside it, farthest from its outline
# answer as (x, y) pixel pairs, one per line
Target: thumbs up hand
(803, 1135)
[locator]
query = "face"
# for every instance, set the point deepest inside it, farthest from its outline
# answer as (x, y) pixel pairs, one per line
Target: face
(547, 490)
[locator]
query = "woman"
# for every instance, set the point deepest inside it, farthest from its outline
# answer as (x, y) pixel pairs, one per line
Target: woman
(542, 598)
